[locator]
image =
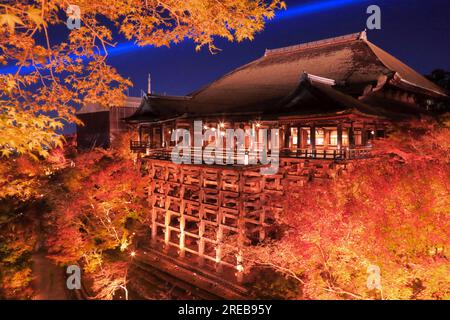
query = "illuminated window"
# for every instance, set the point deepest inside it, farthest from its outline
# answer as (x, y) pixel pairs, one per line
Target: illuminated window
(320, 137)
(294, 137)
(358, 137)
(333, 138)
(345, 142)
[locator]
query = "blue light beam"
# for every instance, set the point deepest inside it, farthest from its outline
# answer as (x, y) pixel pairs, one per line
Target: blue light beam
(314, 7)
(291, 12)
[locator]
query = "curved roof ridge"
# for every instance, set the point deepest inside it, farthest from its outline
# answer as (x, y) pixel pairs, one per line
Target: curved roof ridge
(319, 43)
(405, 72)
(310, 45)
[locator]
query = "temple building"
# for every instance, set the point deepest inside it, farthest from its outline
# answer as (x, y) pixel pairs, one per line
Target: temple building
(328, 95)
(101, 124)
(329, 100)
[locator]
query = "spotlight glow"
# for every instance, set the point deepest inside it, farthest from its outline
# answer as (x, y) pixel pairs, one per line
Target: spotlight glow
(314, 7)
(291, 12)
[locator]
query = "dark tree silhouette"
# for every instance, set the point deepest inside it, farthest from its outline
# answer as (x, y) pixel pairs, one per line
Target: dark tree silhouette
(441, 77)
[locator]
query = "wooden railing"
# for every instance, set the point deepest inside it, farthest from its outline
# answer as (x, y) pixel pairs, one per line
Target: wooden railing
(328, 154)
(334, 154)
(139, 146)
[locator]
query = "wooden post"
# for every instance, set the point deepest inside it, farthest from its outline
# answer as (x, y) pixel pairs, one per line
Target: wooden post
(152, 202)
(150, 135)
(364, 135)
(287, 136)
(162, 135)
(339, 136)
(201, 243)
(167, 214)
(351, 137)
(241, 230)
(312, 137)
(182, 228)
(167, 230)
(191, 134)
(262, 231)
(201, 231)
(219, 245)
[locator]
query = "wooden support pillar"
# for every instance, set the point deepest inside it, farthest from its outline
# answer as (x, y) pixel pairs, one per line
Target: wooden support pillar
(201, 243)
(326, 138)
(140, 133)
(219, 221)
(262, 230)
(167, 221)
(167, 231)
(175, 128)
(182, 228)
(364, 135)
(162, 135)
(191, 133)
(152, 200)
(312, 137)
(150, 135)
(201, 229)
(287, 136)
(351, 137)
(339, 136)
(219, 247)
(241, 231)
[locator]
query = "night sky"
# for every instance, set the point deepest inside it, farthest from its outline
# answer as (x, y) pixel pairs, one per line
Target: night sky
(415, 31)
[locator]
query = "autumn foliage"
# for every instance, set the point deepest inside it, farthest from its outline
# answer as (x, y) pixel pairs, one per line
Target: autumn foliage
(96, 207)
(50, 77)
(391, 212)
(23, 186)
(47, 77)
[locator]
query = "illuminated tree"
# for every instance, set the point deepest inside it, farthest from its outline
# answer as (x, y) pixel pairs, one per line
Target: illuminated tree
(53, 76)
(23, 188)
(47, 78)
(390, 212)
(96, 207)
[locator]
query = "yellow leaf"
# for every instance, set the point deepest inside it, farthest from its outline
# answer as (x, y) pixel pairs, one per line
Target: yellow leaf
(35, 16)
(10, 20)
(6, 153)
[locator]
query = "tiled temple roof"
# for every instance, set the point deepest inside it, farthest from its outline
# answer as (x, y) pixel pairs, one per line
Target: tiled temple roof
(351, 61)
